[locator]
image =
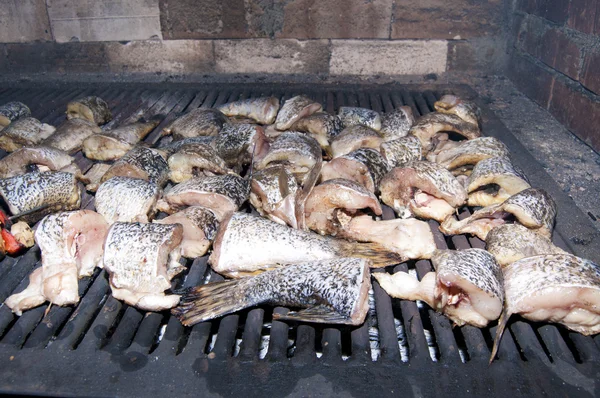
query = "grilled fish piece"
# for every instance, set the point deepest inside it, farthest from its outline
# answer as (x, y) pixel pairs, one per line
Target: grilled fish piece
(422, 189)
(200, 226)
(331, 291)
(21, 161)
(126, 199)
(352, 116)
(557, 288)
(195, 123)
(466, 110)
(462, 158)
(34, 195)
(237, 142)
(295, 109)
(322, 126)
(397, 123)
(273, 194)
(94, 175)
(296, 151)
(70, 135)
(353, 138)
(92, 109)
(263, 110)
(26, 131)
(532, 207)
(494, 180)
(247, 244)
(12, 111)
(402, 150)
(467, 286)
(141, 260)
(195, 160)
(141, 162)
(511, 242)
(223, 194)
(71, 246)
(114, 144)
(432, 128)
(174, 146)
(365, 166)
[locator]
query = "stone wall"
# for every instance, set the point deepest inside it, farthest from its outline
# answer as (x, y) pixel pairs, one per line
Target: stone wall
(555, 60)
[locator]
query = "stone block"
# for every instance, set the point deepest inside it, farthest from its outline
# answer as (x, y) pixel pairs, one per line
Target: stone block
(532, 79)
(582, 15)
(24, 21)
(591, 72)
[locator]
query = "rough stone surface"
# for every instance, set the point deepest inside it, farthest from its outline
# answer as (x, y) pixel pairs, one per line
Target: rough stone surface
(104, 20)
(582, 14)
(285, 56)
(440, 19)
(477, 54)
(403, 57)
(23, 21)
(591, 71)
(532, 79)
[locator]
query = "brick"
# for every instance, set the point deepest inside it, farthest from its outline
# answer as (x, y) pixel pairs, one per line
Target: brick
(280, 56)
(582, 15)
(554, 10)
(440, 19)
(528, 6)
(24, 21)
(104, 20)
(516, 31)
(597, 23)
(531, 36)
(577, 111)
(484, 53)
(591, 72)
(531, 79)
(400, 57)
(562, 53)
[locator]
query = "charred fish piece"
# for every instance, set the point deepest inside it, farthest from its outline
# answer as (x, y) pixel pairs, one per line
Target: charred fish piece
(195, 123)
(352, 116)
(401, 150)
(24, 132)
(511, 242)
(114, 144)
(263, 110)
(126, 199)
(236, 143)
(466, 110)
(353, 138)
(422, 189)
(141, 260)
(433, 128)
(467, 286)
(23, 160)
(532, 207)
(295, 109)
(12, 111)
(174, 146)
(200, 226)
(296, 151)
(31, 196)
(557, 288)
(273, 194)
(70, 135)
(494, 180)
(223, 194)
(462, 158)
(72, 245)
(322, 126)
(331, 291)
(397, 123)
(195, 160)
(141, 162)
(246, 244)
(93, 109)
(365, 166)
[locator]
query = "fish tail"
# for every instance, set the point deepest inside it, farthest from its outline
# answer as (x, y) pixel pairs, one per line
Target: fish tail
(499, 332)
(378, 254)
(202, 303)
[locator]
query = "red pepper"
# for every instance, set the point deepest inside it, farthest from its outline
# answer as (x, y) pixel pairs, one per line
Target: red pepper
(11, 245)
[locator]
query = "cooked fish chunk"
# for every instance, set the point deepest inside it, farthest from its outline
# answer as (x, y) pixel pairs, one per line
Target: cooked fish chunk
(195, 160)
(397, 123)
(126, 199)
(21, 161)
(331, 291)
(175, 145)
(295, 109)
(352, 116)
(94, 175)
(322, 126)
(432, 128)
(353, 138)
(92, 109)
(236, 143)
(263, 110)
(365, 166)
(273, 194)
(26, 131)
(401, 150)
(494, 180)
(198, 122)
(12, 111)
(462, 158)
(70, 135)
(467, 286)
(466, 110)
(32, 296)
(141, 162)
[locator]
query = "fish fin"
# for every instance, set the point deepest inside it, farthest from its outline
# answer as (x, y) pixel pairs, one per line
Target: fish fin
(319, 314)
(212, 300)
(499, 332)
(310, 180)
(284, 187)
(378, 254)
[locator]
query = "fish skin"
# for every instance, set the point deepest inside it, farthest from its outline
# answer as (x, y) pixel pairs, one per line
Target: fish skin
(273, 193)
(469, 153)
(397, 123)
(141, 162)
(24, 132)
(195, 123)
(466, 110)
(496, 170)
(175, 145)
(126, 199)
(294, 109)
(70, 135)
(236, 143)
(12, 111)
(351, 116)
(263, 109)
(57, 190)
(371, 163)
(195, 160)
(428, 126)
(322, 126)
(17, 162)
(333, 291)
(402, 150)
(355, 137)
(91, 108)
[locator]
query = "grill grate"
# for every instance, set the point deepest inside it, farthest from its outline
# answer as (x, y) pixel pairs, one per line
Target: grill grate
(402, 346)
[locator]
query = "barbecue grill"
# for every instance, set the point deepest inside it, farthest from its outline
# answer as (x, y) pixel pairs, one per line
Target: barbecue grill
(103, 347)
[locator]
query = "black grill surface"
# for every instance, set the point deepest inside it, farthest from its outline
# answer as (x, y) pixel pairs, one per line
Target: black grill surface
(102, 347)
